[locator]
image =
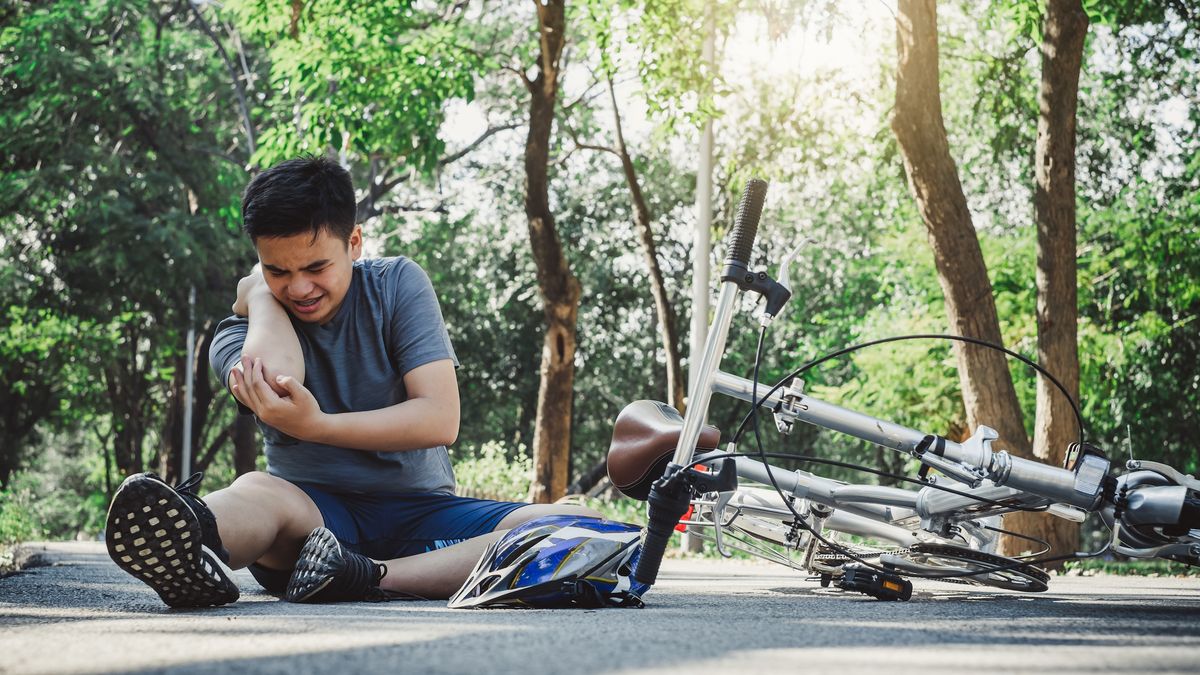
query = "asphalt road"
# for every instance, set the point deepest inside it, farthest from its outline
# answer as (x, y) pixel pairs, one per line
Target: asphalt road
(81, 614)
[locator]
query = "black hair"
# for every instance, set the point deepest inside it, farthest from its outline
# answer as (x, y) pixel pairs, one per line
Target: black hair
(300, 195)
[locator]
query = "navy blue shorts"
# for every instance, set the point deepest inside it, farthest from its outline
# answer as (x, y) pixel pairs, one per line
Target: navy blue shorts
(383, 527)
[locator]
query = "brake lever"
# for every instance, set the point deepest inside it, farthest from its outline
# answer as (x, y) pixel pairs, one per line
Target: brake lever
(770, 311)
(1164, 470)
(784, 267)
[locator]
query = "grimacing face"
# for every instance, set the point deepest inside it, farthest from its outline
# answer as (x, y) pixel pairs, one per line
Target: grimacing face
(309, 277)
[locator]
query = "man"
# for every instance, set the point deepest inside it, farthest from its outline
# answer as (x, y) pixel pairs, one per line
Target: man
(348, 369)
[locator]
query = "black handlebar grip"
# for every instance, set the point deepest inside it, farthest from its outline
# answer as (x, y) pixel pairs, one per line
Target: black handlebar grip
(745, 226)
(669, 500)
(653, 549)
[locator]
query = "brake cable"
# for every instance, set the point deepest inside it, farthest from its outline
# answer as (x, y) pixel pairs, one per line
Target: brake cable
(763, 455)
(917, 336)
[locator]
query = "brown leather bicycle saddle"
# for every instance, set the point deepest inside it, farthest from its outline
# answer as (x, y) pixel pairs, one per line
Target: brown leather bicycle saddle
(643, 442)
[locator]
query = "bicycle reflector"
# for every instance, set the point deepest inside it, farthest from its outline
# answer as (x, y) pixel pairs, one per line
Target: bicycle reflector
(877, 584)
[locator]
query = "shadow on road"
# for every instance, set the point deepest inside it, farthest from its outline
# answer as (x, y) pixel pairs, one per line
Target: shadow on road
(86, 615)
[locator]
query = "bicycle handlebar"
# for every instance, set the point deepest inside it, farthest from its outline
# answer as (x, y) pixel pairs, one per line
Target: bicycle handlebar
(745, 225)
(670, 495)
(669, 500)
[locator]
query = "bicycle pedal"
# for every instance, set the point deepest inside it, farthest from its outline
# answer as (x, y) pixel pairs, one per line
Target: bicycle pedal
(879, 585)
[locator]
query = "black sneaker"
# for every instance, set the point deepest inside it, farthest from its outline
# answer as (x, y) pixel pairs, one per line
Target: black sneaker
(327, 572)
(167, 537)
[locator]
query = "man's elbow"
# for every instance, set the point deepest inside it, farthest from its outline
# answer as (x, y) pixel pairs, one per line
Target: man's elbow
(448, 433)
(275, 364)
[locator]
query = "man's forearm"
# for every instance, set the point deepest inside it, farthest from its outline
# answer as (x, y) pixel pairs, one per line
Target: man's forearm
(271, 337)
(414, 424)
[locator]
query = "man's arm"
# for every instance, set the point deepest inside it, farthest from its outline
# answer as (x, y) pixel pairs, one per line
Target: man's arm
(428, 418)
(270, 336)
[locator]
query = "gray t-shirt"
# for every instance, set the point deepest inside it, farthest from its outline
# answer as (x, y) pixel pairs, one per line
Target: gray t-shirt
(388, 324)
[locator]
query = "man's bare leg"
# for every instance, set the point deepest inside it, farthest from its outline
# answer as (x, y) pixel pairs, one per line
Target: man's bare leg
(527, 513)
(263, 519)
(170, 539)
(438, 574)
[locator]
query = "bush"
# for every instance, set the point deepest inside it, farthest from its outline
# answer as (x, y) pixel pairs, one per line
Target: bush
(16, 517)
(59, 495)
(489, 473)
(1138, 568)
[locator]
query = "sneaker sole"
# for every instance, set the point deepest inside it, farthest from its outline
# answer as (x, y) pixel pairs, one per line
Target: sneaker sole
(155, 536)
(319, 562)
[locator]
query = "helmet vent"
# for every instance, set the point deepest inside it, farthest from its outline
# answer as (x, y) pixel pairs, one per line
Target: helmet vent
(519, 551)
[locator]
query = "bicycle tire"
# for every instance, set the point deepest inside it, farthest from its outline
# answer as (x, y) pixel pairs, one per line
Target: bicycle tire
(927, 558)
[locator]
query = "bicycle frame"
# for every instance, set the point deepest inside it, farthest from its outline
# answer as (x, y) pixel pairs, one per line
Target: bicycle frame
(1158, 495)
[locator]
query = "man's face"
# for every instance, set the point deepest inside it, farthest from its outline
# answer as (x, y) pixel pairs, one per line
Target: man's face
(309, 277)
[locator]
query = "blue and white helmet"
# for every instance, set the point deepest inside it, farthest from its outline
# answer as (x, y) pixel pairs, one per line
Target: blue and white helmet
(557, 561)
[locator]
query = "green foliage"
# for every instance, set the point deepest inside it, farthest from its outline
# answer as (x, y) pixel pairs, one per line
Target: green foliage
(1136, 568)
(669, 34)
(363, 76)
(618, 508)
(16, 517)
(60, 495)
(124, 153)
(492, 472)
(44, 377)
(1140, 348)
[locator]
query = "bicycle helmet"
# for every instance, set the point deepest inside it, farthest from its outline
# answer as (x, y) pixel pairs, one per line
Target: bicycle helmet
(557, 561)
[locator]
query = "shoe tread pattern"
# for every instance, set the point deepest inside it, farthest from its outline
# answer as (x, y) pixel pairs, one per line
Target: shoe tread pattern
(320, 561)
(153, 534)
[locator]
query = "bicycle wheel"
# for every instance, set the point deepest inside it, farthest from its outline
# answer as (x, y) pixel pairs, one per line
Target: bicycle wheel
(928, 558)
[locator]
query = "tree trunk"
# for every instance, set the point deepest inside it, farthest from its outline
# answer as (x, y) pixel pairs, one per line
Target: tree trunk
(127, 394)
(170, 460)
(20, 412)
(559, 288)
(204, 394)
(987, 387)
(588, 479)
(1057, 305)
(662, 303)
(245, 444)
(170, 452)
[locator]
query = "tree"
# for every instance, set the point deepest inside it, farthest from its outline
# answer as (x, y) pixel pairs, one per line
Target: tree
(1066, 26)
(987, 387)
(560, 290)
(1138, 253)
(367, 80)
(664, 311)
(119, 180)
(42, 377)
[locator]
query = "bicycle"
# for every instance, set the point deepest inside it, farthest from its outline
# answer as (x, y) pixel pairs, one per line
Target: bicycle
(936, 531)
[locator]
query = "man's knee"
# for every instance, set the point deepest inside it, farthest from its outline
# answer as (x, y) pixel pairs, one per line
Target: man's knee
(275, 493)
(254, 480)
(261, 481)
(528, 513)
(257, 484)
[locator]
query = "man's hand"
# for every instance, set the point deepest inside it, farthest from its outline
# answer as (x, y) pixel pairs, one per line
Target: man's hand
(297, 414)
(250, 285)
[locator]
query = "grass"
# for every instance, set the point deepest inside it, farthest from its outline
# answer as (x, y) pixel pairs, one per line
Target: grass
(1135, 568)
(8, 559)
